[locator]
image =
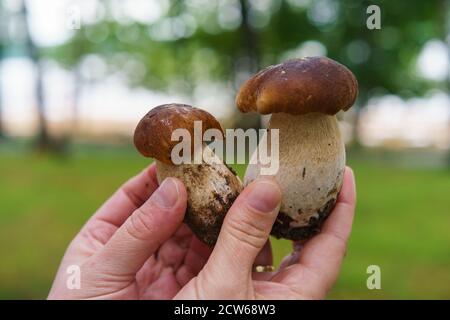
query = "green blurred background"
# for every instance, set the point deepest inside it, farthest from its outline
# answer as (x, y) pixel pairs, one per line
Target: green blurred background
(76, 76)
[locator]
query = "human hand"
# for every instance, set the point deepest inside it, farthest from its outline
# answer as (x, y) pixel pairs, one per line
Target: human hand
(308, 273)
(135, 246)
(151, 255)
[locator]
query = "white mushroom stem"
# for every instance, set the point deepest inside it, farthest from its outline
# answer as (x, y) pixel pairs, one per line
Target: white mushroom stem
(212, 187)
(311, 164)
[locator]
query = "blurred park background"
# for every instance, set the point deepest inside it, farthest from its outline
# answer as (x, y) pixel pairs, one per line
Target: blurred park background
(76, 77)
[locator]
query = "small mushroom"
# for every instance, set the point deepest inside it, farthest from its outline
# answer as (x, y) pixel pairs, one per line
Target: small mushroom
(211, 186)
(303, 96)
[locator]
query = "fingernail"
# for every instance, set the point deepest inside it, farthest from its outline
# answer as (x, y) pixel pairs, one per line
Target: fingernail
(167, 194)
(265, 196)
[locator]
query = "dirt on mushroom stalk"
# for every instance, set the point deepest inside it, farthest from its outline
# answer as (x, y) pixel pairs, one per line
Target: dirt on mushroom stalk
(207, 220)
(282, 226)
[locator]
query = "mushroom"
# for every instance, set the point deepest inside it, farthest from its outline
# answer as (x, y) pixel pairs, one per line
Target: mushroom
(211, 185)
(303, 96)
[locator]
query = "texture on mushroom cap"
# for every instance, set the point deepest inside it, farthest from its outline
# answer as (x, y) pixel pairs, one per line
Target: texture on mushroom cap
(300, 86)
(152, 136)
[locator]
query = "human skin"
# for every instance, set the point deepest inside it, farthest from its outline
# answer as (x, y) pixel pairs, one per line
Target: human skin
(137, 247)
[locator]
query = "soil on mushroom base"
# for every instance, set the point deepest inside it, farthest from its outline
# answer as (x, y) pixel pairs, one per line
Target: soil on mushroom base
(206, 221)
(282, 229)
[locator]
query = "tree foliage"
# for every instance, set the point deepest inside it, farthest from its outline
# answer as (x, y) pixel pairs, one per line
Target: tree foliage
(206, 40)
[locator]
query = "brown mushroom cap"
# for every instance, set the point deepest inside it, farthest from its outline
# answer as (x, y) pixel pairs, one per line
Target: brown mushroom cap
(300, 86)
(152, 136)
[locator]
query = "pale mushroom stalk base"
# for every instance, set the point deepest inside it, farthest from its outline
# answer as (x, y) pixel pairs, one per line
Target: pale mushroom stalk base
(211, 187)
(311, 170)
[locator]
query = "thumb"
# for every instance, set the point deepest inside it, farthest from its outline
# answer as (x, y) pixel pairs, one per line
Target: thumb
(244, 232)
(144, 231)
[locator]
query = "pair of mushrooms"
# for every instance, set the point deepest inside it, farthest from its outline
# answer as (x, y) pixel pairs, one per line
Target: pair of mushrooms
(303, 96)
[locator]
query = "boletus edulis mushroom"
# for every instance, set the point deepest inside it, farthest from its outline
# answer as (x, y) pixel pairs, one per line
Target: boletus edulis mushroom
(303, 96)
(211, 186)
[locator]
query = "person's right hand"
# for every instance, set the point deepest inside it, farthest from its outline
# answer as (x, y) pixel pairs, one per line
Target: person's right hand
(308, 273)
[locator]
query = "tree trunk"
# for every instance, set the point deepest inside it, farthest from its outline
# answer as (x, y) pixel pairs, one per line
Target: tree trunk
(251, 47)
(43, 138)
(77, 87)
(445, 31)
(249, 39)
(447, 40)
(2, 133)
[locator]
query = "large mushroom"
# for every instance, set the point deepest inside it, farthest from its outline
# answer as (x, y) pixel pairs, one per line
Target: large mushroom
(212, 186)
(303, 96)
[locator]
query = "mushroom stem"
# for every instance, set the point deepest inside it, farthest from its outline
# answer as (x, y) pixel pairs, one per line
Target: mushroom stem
(311, 167)
(212, 188)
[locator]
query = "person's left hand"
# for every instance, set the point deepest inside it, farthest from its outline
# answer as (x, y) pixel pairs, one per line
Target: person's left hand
(135, 246)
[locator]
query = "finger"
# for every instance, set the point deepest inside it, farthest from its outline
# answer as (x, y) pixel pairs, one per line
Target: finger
(264, 261)
(197, 256)
(293, 257)
(244, 232)
(130, 196)
(195, 260)
(111, 215)
(265, 257)
(144, 231)
(322, 255)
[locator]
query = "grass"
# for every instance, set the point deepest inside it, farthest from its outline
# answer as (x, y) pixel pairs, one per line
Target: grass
(402, 222)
